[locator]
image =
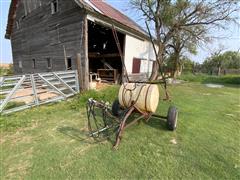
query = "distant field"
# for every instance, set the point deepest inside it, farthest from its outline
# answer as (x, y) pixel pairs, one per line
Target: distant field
(50, 142)
(4, 65)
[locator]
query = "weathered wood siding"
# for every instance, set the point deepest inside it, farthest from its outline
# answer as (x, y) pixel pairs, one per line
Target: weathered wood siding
(43, 35)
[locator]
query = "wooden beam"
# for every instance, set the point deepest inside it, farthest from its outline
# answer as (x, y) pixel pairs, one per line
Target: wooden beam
(79, 71)
(85, 63)
(82, 58)
(97, 55)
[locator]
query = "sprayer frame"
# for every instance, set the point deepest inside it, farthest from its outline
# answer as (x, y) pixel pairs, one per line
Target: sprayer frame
(123, 120)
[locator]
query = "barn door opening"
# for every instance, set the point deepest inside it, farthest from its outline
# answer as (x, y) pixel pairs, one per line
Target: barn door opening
(103, 54)
(136, 65)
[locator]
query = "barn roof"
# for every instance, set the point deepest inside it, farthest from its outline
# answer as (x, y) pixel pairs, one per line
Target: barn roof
(113, 13)
(11, 18)
(96, 6)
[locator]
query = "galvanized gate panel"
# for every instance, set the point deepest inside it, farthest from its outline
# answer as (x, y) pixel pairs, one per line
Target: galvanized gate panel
(26, 91)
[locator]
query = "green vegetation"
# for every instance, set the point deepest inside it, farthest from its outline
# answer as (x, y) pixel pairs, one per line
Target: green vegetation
(219, 61)
(217, 64)
(50, 142)
(204, 78)
(14, 104)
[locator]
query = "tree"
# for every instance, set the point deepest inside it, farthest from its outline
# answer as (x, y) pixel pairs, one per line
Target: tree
(181, 42)
(232, 59)
(184, 64)
(169, 21)
(219, 61)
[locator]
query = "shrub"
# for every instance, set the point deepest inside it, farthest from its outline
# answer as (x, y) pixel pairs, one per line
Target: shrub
(107, 94)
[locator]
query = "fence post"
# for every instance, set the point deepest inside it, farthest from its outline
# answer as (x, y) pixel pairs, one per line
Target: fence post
(77, 84)
(34, 89)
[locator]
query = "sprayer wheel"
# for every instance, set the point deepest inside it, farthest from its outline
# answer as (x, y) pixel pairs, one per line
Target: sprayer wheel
(116, 108)
(172, 118)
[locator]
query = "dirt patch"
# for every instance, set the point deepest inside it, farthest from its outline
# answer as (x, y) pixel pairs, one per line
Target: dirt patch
(26, 95)
(100, 86)
(214, 85)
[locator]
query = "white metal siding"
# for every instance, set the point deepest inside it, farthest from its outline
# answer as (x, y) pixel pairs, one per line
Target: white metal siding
(136, 48)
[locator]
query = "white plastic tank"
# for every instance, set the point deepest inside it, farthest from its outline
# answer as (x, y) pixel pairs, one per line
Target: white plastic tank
(144, 96)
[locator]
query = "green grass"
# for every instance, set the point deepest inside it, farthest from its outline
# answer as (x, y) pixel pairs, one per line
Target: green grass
(50, 142)
(13, 104)
(204, 78)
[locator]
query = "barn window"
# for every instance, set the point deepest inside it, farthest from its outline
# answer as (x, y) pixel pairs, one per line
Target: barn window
(54, 6)
(69, 63)
(20, 64)
(34, 63)
(49, 63)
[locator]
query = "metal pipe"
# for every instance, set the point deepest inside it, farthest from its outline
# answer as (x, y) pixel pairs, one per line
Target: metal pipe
(159, 116)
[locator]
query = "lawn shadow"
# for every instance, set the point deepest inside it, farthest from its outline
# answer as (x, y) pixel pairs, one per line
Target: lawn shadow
(76, 134)
(83, 136)
(157, 123)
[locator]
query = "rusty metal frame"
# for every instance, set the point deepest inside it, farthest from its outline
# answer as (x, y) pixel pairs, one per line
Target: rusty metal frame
(121, 121)
(123, 125)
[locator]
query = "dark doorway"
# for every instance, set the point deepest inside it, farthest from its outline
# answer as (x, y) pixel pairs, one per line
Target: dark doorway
(136, 65)
(69, 63)
(102, 49)
(34, 63)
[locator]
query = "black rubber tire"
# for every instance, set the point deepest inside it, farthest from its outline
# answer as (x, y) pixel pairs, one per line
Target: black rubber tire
(172, 118)
(116, 108)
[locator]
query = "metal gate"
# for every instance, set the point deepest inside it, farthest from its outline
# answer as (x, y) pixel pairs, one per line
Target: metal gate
(25, 91)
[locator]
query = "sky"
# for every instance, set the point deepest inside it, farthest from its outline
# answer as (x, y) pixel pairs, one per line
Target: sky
(229, 41)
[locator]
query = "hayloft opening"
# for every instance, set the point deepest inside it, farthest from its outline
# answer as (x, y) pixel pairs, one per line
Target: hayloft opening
(103, 54)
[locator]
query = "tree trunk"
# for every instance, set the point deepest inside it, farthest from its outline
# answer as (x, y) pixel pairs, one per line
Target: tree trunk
(176, 64)
(157, 66)
(219, 71)
(155, 72)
